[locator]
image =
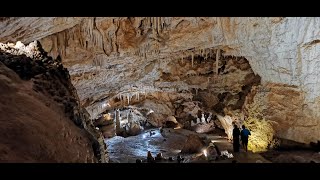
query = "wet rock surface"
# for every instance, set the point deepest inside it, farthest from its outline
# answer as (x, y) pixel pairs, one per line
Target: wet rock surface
(129, 149)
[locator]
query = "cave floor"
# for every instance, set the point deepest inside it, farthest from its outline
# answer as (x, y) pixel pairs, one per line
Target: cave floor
(127, 150)
(292, 156)
(170, 143)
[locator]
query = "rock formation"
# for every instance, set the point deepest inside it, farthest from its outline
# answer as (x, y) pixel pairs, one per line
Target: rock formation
(207, 62)
(193, 144)
(41, 119)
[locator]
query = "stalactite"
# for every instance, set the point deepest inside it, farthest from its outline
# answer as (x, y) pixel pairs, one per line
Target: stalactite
(211, 53)
(206, 57)
(60, 43)
(192, 59)
(158, 25)
(87, 27)
(91, 33)
(153, 26)
(55, 46)
(150, 22)
(161, 23)
(77, 35)
(131, 95)
(117, 122)
(128, 97)
(97, 38)
(217, 60)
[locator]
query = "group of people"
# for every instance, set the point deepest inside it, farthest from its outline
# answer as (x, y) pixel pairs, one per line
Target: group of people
(244, 134)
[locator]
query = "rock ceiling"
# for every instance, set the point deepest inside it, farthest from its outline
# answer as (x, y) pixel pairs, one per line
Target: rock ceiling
(112, 58)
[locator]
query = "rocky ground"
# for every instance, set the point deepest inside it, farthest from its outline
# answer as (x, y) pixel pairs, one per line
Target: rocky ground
(292, 156)
(173, 143)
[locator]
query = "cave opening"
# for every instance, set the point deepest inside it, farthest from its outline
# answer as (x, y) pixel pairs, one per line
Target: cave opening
(199, 95)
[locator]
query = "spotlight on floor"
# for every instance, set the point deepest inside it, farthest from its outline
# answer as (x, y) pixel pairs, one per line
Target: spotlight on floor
(205, 152)
(144, 136)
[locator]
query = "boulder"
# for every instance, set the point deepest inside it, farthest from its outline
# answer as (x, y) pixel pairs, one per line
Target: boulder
(134, 129)
(212, 152)
(171, 124)
(172, 119)
(194, 144)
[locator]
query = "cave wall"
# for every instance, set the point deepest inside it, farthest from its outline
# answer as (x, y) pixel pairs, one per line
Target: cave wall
(41, 119)
(104, 55)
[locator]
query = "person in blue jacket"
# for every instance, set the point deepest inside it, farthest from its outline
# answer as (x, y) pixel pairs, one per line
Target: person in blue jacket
(245, 137)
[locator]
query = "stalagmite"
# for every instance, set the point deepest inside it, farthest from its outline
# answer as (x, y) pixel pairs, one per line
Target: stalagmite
(203, 120)
(209, 118)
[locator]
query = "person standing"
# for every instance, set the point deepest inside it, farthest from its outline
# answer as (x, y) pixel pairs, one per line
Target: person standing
(245, 133)
(236, 139)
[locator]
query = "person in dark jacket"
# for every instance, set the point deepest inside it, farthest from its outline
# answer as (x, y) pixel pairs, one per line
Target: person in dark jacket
(236, 139)
(245, 137)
